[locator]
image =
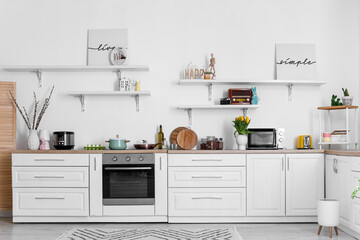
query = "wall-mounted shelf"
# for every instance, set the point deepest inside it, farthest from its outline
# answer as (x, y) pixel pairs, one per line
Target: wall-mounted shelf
(189, 108)
(328, 129)
(39, 69)
(82, 94)
(288, 83)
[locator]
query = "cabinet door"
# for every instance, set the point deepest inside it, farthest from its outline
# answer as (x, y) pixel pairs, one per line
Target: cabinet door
(265, 185)
(332, 177)
(95, 169)
(161, 184)
(355, 203)
(345, 188)
(304, 183)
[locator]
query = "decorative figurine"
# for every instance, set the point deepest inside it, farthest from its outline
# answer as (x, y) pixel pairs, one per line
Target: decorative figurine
(212, 66)
(254, 99)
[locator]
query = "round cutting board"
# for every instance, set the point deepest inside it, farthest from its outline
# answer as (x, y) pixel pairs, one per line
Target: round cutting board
(186, 139)
(174, 134)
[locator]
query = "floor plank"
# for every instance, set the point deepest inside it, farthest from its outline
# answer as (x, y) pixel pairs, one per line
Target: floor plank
(41, 231)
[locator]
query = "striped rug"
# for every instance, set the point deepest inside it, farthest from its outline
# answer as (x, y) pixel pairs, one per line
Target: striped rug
(151, 234)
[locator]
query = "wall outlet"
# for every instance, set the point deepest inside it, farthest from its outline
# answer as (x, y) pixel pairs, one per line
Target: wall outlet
(280, 138)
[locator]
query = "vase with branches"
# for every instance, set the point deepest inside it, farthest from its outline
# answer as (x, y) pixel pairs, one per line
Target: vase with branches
(33, 122)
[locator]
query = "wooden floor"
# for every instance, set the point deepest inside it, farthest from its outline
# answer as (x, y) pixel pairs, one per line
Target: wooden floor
(40, 231)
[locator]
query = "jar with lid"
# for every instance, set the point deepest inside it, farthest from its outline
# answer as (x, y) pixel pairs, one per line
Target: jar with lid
(203, 144)
(220, 144)
(210, 143)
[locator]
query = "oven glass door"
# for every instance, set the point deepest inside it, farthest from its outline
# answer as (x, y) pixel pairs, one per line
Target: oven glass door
(128, 184)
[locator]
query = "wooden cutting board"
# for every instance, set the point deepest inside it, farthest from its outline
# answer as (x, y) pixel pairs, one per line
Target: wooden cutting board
(7, 142)
(184, 137)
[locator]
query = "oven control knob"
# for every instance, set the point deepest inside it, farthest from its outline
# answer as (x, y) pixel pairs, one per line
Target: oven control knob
(114, 159)
(141, 158)
(127, 158)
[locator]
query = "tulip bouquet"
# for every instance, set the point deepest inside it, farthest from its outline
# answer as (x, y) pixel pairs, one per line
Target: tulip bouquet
(241, 124)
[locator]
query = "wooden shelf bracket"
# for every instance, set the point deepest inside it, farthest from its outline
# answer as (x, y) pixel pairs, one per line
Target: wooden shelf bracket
(82, 101)
(39, 76)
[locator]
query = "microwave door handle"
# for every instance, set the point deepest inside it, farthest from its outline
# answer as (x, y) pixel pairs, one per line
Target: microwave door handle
(126, 168)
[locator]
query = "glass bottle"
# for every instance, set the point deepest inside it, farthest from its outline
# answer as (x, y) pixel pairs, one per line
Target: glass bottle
(160, 138)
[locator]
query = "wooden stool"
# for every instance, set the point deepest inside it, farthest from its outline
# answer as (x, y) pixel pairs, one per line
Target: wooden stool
(328, 215)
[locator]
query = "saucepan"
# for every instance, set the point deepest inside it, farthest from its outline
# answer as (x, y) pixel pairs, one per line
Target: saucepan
(117, 143)
(145, 145)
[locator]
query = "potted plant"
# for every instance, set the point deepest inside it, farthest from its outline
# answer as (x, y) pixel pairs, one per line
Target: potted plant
(241, 124)
(347, 99)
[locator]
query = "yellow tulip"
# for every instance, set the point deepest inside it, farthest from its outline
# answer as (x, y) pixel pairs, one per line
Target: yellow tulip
(247, 120)
(242, 118)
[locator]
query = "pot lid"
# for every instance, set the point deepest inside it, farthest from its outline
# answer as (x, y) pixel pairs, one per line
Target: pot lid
(117, 139)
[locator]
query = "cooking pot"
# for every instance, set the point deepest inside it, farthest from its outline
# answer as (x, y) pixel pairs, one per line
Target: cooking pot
(145, 145)
(117, 143)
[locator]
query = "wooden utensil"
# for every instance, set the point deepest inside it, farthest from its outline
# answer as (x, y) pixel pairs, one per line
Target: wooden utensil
(185, 138)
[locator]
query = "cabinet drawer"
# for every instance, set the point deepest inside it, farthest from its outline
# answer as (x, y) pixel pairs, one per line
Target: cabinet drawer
(50, 159)
(200, 202)
(355, 164)
(207, 177)
(50, 202)
(204, 160)
(50, 176)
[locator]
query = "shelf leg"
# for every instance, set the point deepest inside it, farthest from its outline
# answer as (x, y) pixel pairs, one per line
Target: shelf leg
(356, 129)
(347, 128)
(190, 117)
(290, 88)
(137, 100)
(320, 131)
(329, 121)
(245, 110)
(39, 76)
(82, 101)
(210, 88)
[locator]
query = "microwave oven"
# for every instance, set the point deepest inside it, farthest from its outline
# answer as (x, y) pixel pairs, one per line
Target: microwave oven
(262, 139)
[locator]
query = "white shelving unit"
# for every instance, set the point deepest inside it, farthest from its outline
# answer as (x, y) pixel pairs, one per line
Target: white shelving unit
(39, 69)
(288, 83)
(347, 128)
(189, 108)
(82, 94)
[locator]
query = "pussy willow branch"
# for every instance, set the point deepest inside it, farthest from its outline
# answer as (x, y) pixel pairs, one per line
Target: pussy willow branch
(27, 116)
(35, 110)
(44, 107)
(18, 108)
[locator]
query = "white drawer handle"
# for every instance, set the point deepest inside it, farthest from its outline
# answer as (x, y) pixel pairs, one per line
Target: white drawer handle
(206, 160)
(49, 176)
(47, 198)
(206, 176)
(212, 198)
(49, 160)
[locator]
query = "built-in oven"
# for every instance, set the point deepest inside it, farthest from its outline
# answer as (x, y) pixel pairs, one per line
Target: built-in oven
(262, 139)
(128, 179)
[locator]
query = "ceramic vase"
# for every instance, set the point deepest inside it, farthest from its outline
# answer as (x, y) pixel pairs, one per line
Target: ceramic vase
(33, 140)
(242, 141)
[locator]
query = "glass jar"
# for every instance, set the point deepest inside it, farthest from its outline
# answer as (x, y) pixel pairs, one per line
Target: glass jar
(220, 144)
(210, 142)
(203, 144)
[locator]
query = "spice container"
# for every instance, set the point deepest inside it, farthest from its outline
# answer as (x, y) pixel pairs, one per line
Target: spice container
(210, 142)
(220, 144)
(203, 144)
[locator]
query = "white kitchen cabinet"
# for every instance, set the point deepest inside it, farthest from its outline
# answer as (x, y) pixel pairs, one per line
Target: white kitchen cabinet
(265, 185)
(206, 160)
(355, 203)
(161, 187)
(332, 178)
(96, 195)
(207, 202)
(58, 160)
(50, 202)
(207, 177)
(304, 183)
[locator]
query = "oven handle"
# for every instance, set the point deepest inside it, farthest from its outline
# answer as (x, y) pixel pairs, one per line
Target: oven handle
(127, 168)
